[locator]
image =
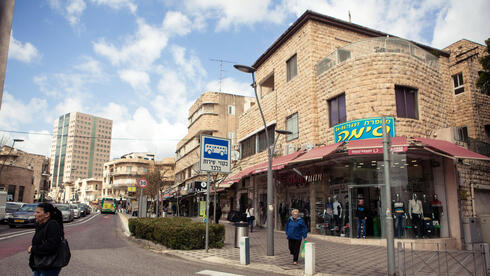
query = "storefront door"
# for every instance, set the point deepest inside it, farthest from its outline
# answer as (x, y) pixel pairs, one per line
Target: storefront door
(366, 199)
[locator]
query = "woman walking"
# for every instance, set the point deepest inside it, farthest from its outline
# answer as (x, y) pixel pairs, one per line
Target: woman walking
(47, 238)
(250, 217)
(295, 231)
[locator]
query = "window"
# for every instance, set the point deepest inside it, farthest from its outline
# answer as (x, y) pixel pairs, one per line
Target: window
(248, 147)
(262, 138)
(406, 102)
(267, 85)
(128, 168)
(458, 83)
(291, 67)
(292, 125)
(336, 108)
(461, 134)
(231, 110)
(343, 55)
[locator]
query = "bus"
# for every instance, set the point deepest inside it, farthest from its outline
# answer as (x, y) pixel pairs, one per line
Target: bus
(108, 205)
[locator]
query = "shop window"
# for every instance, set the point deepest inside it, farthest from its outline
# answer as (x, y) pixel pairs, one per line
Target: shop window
(11, 192)
(291, 67)
(461, 134)
(292, 125)
(458, 83)
(406, 102)
(336, 109)
(487, 132)
(267, 85)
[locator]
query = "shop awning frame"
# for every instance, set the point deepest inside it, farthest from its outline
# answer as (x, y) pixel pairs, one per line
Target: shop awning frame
(449, 149)
(316, 154)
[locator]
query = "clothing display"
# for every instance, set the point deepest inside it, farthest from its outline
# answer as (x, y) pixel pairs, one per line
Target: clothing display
(436, 206)
(399, 214)
(337, 214)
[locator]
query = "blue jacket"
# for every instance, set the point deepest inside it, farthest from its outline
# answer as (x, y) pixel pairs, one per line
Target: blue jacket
(296, 229)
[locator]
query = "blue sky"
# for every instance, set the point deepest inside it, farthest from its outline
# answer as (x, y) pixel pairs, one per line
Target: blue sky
(143, 63)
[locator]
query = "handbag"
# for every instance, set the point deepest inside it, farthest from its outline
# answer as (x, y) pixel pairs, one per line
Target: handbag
(60, 259)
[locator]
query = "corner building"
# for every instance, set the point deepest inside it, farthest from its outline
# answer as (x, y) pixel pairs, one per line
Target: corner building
(329, 82)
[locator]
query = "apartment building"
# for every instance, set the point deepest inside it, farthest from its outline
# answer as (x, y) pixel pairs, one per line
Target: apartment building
(215, 114)
(88, 190)
(24, 176)
(81, 145)
(122, 173)
(329, 82)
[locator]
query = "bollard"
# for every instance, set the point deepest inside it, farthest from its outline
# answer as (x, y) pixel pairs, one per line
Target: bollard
(310, 258)
(486, 258)
(244, 250)
(401, 259)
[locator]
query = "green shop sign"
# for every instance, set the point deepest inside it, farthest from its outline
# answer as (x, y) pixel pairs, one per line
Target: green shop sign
(363, 129)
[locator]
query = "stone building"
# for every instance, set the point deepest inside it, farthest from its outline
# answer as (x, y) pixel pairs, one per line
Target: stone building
(329, 82)
(122, 173)
(215, 114)
(88, 190)
(23, 175)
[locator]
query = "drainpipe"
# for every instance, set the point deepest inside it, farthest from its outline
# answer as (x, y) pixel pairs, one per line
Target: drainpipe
(473, 212)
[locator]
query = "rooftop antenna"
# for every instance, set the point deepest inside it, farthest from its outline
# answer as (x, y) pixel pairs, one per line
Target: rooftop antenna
(350, 19)
(221, 69)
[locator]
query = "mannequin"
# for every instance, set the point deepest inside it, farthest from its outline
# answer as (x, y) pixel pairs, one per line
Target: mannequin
(399, 215)
(427, 229)
(415, 213)
(328, 211)
(337, 212)
(437, 212)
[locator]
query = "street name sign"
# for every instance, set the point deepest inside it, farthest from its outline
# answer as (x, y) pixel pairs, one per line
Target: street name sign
(215, 154)
(142, 182)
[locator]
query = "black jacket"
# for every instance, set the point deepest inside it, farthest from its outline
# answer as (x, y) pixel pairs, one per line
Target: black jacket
(46, 240)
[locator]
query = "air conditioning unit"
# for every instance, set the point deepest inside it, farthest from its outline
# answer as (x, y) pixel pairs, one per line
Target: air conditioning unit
(291, 148)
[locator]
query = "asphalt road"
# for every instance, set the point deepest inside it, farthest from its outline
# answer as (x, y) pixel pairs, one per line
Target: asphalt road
(98, 247)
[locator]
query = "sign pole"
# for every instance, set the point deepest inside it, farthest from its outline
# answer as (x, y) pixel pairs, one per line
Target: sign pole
(390, 247)
(140, 205)
(207, 212)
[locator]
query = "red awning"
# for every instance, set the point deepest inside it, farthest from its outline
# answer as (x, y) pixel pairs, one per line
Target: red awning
(236, 177)
(375, 146)
(277, 163)
(451, 149)
(316, 153)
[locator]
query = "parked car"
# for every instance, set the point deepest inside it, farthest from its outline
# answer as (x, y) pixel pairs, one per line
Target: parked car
(68, 214)
(88, 209)
(83, 210)
(24, 216)
(10, 209)
(76, 210)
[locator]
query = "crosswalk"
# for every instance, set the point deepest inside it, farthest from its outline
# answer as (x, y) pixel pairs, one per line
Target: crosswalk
(216, 273)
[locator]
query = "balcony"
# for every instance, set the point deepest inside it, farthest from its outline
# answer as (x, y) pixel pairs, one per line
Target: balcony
(375, 46)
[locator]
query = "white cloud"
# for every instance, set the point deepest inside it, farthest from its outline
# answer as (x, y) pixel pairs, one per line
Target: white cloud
(72, 10)
(232, 86)
(138, 80)
(139, 51)
(25, 52)
(37, 141)
(14, 112)
(176, 23)
(90, 65)
(460, 20)
(118, 4)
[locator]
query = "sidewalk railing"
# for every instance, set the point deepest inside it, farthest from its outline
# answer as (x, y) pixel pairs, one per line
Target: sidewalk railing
(443, 261)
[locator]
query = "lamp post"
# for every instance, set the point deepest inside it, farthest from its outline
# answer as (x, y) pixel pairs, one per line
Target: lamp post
(11, 148)
(270, 150)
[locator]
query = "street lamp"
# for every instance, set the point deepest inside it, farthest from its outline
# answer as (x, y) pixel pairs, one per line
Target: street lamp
(270, 150)
(13, 144)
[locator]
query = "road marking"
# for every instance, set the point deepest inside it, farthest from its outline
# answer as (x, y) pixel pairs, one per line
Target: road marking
(216, 273)
(32, 231)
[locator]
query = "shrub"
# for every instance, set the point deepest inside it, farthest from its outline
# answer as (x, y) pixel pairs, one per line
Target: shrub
(177, 232)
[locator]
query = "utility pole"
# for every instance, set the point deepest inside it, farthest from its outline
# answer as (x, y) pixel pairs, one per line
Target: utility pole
(390, 246)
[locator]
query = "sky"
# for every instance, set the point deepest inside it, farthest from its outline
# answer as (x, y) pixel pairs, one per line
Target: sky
(142, 63)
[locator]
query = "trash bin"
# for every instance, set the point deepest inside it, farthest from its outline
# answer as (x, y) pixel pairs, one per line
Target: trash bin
(241, 230)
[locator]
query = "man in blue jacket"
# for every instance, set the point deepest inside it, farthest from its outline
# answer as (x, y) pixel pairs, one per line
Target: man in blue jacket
(295, 231)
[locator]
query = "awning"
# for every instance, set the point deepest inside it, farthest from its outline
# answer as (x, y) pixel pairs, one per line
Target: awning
(375, 146)
(316, 153)
(277, 163)
(451, 149)
(238, 176)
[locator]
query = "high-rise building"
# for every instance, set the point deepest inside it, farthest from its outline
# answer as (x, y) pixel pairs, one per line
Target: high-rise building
(80, 147)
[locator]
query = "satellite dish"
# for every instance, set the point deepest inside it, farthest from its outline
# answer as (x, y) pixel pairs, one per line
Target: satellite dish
(235, 155)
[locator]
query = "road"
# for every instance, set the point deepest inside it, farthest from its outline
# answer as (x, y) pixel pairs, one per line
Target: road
(98, 247)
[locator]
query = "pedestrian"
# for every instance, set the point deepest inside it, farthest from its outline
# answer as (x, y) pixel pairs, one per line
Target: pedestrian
(218, 213)
(250, 217)
(295, 231)
(174, 210)
(362, 214)
(47, 238)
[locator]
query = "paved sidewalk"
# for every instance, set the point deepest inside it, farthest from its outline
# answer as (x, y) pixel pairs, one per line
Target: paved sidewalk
(331, 258)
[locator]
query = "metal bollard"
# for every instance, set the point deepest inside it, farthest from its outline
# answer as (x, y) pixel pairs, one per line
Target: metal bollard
(310, 258)
(244, 250)
(486, 258)
(401, 259)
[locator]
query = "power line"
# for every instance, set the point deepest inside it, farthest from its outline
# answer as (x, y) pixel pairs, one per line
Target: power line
(88, 137)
